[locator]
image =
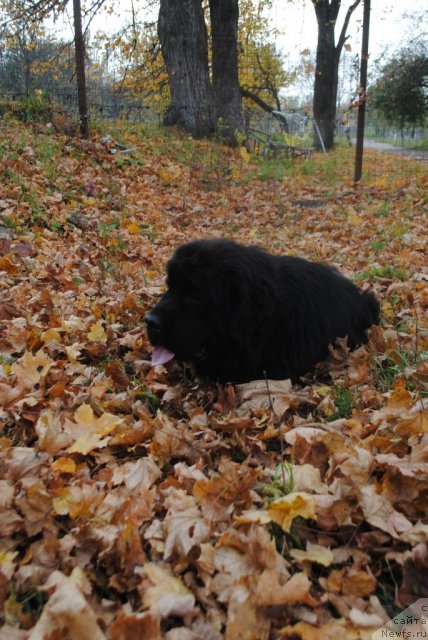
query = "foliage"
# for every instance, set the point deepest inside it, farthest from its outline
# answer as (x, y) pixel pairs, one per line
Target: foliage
(400, 95)
(134, 52)
(261, 65)
(138, 502)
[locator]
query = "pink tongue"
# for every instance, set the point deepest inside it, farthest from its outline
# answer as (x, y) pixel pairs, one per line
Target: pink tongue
(161, 355)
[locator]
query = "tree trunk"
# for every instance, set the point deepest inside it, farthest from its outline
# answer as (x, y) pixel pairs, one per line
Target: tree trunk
(227, 93)
(183, 38)
(245, 93)
(79, 45)
(326, 73)
(327, 67)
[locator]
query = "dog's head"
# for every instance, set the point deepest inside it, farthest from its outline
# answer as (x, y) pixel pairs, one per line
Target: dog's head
(198, 317)
(181, 323)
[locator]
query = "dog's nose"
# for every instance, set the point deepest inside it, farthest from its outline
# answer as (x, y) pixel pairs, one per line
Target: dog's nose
(153, 321)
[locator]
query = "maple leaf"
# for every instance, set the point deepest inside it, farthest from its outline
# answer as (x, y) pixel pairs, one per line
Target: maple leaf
(270, 592)
(167, 595)
(76, 501)
(351, 581)
(50, 433)
(7, 564)
(284, 510)
(133, 228)
(64, 465)
(314, 553)
(380, 513)
(185, 530)
(89, 431)
(67, 611)
(30, 369)
(97, 333)
(135, 625)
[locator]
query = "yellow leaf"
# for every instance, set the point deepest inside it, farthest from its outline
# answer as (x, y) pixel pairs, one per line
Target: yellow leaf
(51, 335)
(76, 501)
(354, 219)
(87, 443)
(104, 425)
(64, 465)
(323, 390)
(133, 229)
(91, 431)
(244, 154)
(6, 560)
(284, 510)
(31, 368)
(97, 333)
(169, 174)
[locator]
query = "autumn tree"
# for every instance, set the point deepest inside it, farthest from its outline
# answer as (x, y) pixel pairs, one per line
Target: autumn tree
(17, 15)
(400, 95)
(31, 62)
(134, 65)
(19, 59)
(327, 65)
(261, 66)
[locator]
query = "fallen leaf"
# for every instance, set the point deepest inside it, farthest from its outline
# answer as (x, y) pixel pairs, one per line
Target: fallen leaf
(297, 504)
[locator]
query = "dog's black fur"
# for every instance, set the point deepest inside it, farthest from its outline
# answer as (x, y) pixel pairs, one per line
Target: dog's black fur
(238, 313)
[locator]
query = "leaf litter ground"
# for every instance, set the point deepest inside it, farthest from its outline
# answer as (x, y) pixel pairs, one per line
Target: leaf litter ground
(138, 503)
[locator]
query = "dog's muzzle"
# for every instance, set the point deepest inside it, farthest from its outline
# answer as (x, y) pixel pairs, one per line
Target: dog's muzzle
(154, 325)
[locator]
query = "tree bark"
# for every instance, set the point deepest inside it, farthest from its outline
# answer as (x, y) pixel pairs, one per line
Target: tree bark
(183, 38)
(327, 67)
(245, 93)
(79, 45)
(227, 93)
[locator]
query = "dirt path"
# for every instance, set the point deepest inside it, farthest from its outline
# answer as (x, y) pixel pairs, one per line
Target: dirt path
(414, 154)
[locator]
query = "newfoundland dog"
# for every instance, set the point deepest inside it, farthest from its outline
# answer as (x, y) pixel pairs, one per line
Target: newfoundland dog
(238, 313)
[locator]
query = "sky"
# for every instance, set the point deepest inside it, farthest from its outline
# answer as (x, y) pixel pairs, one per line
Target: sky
(296, 19)
(389, 24)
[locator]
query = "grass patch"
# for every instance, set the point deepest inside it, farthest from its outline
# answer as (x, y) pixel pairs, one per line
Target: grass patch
(390, 369)
(343, 402)
(389, 272)
(273, 169)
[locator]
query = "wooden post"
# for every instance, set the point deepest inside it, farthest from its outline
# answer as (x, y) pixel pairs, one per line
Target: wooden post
(362, 93)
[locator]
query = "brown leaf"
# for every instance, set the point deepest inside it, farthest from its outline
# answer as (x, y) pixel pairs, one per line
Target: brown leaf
(128, 626)
(270, 592)
(66, 611)
(380, 513)
(8, 310)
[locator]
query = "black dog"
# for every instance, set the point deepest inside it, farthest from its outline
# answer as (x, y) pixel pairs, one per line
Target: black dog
(238, 313)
